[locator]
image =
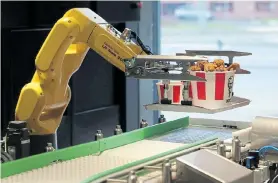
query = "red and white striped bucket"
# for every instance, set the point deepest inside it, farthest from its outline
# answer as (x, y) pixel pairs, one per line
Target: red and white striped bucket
(216, 92)
(174, 92)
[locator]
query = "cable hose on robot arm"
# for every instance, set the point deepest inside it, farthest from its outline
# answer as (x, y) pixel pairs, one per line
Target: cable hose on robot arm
(145, 48)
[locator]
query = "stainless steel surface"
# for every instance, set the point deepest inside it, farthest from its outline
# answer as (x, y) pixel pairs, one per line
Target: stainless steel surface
(118, 130)
(162, 67)
(221, 148)
(168, 58)
(49, 147)
(98, 135)
(236, 149)
(216, 53)
(161, 119)
(206, 166)
(166, 172)
(235, 103)
(143, 123)
(132, 177)
(161, 76)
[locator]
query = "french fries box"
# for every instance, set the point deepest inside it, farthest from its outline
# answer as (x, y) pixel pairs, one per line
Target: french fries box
(174, 92)
(216, 92)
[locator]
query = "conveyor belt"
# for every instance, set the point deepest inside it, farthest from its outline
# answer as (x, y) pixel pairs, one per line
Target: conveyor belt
(69, 171)
(194, 134)
(94, 160)
(79, 169)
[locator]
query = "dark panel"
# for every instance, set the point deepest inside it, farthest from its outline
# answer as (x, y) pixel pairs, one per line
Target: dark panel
(18, 66)
(64, 135)
(120, 86)
(15, 14)
(46, 13)
(86, 123)
(118, 11)
(7, 113)
(93, 84)
(41, 10)
(23, 60)
(120, 95)
(19, 50)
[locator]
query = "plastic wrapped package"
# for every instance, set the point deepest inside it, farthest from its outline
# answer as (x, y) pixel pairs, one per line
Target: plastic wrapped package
(244, 135)
(264, 132)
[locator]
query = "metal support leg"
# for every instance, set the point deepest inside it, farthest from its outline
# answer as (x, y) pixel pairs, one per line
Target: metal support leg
(221, 149)
(132, 177)
(161, 119)
(166, 172)
(236, 149)
(98, 135)
(143, 123)
(118, 130)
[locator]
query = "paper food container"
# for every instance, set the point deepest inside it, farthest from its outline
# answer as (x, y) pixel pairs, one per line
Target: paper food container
(216, 92)
(174, 92)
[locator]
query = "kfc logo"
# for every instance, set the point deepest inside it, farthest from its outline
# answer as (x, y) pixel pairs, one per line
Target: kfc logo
(230, 88)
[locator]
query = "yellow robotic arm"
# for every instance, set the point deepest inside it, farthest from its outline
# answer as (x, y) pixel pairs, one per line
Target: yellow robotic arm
(43, 101)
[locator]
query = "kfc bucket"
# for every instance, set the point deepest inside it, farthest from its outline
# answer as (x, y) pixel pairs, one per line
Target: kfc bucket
(174, 92)
(216, 92)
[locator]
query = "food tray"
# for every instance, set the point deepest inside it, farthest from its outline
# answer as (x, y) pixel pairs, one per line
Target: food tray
(235, 103)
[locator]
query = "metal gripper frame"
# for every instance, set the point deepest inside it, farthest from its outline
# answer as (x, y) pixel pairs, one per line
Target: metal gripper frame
(162, 67)
(185, 94)
(166, 100)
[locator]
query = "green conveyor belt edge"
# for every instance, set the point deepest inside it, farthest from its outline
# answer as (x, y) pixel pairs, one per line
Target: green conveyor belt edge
(145, 160)
(91, 148)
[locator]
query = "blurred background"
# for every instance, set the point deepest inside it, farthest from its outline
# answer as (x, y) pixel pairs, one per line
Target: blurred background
(249, 26)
